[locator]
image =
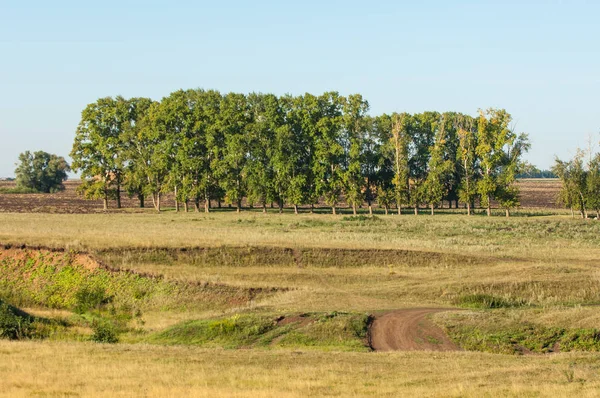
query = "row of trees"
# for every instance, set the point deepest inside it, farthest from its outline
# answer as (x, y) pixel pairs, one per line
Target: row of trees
(580, 178)
(296, 150)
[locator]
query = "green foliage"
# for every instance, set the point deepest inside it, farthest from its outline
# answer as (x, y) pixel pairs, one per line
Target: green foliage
(87, 298)
(14, 324)
(41, 172)
(18, 190)
(104, 332)
(500, 337)
(203, 146)
(329, 330)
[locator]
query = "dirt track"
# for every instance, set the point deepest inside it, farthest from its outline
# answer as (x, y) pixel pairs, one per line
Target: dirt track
(409, 330)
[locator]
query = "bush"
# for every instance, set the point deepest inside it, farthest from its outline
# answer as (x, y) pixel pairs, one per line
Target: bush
(105, 332)
(90, 298)
(13, 325)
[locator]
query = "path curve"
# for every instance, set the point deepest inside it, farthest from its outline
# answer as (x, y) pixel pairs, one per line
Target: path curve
(409, 330)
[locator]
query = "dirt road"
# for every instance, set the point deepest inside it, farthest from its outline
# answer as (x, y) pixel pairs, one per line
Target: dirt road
(409, 330)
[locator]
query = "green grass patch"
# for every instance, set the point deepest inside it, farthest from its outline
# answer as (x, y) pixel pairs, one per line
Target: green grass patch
(338, 331)
(497, 332)
(66, 280)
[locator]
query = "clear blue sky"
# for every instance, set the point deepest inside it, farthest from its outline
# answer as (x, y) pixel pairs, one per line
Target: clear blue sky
(538, 59)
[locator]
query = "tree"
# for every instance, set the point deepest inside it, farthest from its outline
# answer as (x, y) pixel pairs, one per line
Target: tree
(422, 137)
(135, 145)
(98, 150)
(233, 122)
(400, 142)
(41, 171)
(467, 158)
(266, 118)
(439, 168)
(355, 127)
(329, 151)
(508, 193)
(593, 184)
(574, 189)
(382, 157)
(498, 166)
(291, 154)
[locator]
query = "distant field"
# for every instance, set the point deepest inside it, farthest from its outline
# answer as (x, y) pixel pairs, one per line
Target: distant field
(535, 193)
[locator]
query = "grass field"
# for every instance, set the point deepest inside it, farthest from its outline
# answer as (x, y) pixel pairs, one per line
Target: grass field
(280, 305)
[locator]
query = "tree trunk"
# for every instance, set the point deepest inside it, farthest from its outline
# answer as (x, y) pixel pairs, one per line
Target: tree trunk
(333, 210)
(468, 208)
(239, 206)
(219, 202)
(176, 201)
(185, 206)
(105, 202)
(572, 212)
(507, 212)
(118, 195)
(271, 205)
(295, 209)
(431, 209)
(312, 208)
(158, 201)
(264, 208)
(354, 208)
(141, 199)
(416, 210)
(399, 209)
(197, 205)
(489, 207)
(370, 209)
(385, 208)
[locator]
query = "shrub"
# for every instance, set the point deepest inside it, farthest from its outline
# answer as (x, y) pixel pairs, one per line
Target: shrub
(105, 332)
(13, 325)
(88, 298)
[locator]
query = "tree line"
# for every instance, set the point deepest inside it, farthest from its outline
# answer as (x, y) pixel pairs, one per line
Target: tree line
(202, 145)
(580, 178)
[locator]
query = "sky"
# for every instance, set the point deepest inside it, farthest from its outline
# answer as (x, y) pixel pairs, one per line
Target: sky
(539, 60)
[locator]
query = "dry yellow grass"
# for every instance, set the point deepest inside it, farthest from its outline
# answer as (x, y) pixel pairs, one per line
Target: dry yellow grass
(550, 261)
(79, 369)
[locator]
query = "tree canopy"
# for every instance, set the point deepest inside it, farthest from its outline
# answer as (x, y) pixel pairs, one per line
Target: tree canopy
(297, 150)
(41, 171)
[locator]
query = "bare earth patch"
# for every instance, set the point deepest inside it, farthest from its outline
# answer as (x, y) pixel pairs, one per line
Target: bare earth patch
(409, 330)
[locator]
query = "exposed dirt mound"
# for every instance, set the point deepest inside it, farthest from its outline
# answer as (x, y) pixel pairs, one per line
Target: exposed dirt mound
(409, 330)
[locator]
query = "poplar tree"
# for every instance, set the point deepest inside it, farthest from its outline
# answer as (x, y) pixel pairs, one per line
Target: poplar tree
(467, 158)
(433, 187)
(400, 142)
(355, 126)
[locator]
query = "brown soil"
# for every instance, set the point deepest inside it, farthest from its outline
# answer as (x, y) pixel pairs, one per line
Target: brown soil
(535, 193)
(409, 330)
